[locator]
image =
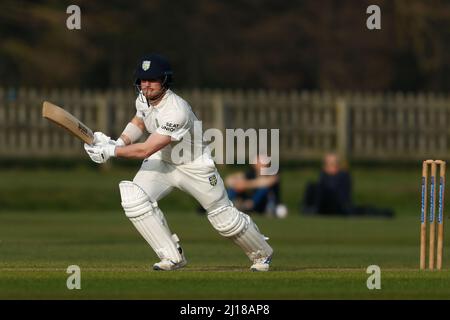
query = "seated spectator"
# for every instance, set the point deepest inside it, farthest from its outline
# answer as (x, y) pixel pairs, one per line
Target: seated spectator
(253, 192)
(332, 193)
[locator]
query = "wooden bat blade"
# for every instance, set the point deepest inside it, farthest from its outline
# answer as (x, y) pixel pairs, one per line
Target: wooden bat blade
(67, 121)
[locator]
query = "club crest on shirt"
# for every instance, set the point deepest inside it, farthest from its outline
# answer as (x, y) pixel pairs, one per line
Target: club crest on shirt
(213, 180)
(146, 65)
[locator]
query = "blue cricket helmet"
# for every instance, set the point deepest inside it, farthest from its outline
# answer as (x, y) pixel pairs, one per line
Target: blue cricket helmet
(154, 67)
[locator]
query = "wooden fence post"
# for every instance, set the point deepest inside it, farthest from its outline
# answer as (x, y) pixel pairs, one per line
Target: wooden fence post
(101, 103)
(2, 122)
(342, 129)
(102, 113)
(217, 103)
(219, 120)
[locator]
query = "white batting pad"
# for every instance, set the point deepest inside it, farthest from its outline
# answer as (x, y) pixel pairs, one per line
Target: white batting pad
(160, 215)
(149, 222)
(240, 228)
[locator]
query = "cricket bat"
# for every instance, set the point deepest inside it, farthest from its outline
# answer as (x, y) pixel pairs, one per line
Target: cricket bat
(67, 121)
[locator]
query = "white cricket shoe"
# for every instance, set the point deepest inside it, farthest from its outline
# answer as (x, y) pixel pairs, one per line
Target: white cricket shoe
(167, 265)
(261, 264)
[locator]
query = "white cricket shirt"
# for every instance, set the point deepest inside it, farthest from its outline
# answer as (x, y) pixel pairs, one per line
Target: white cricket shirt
(174, 117)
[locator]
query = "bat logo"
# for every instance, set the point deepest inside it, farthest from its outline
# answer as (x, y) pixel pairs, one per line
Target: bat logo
(83, 129)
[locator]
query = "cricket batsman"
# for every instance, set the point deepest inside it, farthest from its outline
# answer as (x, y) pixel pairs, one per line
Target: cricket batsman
(170, 121)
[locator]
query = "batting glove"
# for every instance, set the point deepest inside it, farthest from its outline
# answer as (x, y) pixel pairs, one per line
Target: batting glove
(100, 139)
(100, 153)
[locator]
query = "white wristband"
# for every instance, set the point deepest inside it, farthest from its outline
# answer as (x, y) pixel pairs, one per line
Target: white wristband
(132, 132)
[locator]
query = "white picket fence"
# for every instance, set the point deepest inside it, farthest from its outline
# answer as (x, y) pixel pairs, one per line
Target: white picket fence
(360, 126)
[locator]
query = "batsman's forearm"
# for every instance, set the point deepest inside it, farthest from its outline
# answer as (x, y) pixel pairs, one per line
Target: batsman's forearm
(136, 151)
(145, 149)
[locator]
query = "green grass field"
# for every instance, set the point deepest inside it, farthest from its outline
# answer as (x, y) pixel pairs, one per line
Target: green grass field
(51, 219)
